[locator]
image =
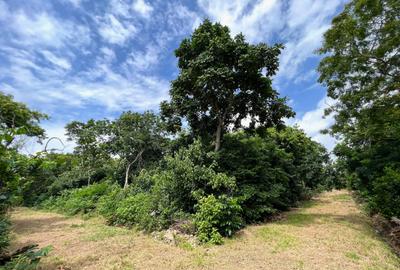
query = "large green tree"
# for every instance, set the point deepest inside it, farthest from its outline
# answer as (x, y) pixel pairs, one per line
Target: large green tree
(361, 70)
(224, 80)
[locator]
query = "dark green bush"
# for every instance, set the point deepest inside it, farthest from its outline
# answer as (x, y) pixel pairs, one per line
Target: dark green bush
(274, 170)
(386, 193)
(217, 217)
(108, 203)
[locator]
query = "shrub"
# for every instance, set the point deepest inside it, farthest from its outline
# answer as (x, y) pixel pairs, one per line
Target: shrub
(386, 193)
(259, 167)
(182, 180)
(273, 169)
(108, 203)
(80, 200)
(137, 210)
(216, 217)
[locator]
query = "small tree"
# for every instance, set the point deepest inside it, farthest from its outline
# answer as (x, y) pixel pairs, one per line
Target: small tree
(91, 143)
(137, 138)
(222, 81)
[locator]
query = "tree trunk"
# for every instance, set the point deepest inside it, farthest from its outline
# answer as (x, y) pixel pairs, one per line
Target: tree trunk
(89, 177)
(218, 136)
(129, 167)
(127, 175)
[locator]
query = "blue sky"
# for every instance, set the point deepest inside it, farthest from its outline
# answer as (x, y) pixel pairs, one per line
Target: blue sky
(81, 59)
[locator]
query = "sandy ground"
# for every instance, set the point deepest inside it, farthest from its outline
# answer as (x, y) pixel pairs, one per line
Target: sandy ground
(330, 232)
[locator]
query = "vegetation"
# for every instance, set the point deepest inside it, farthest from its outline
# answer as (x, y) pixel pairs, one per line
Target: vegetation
(219, 174)
(16, 120)
(221, 83)
(361, 72)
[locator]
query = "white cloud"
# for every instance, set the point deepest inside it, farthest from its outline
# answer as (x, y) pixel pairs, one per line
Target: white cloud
(115, 31)
(312, 122)
(108, 54)
(44, 30)
(142, 60)
(298, 24)
(100, 86)
(56, 60)
(142, 7)
(257, 21)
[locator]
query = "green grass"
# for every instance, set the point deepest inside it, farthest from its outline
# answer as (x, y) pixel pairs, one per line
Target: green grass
(299, 219)
(102, 232)
(352, 255)
(278, 238)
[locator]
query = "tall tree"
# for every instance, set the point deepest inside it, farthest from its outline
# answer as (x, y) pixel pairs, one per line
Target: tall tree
(361, 70)
(222, 81)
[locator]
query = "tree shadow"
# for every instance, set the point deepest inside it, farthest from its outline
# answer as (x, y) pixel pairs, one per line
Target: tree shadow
(28, 224)
(301, 219)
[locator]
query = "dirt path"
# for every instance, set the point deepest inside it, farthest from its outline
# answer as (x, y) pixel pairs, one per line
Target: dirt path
(329, 232)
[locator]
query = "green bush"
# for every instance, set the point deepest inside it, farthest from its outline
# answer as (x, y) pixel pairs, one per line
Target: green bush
(108, 203)
(137, 210)
(216, 217)
(386, 193)
(182, 179)
(81, 200)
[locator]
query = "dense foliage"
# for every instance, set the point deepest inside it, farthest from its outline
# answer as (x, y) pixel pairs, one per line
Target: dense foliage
(273, 170)
(362, 73)
(222, 81)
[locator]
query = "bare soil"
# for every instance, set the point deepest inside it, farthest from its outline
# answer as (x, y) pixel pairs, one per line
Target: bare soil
(329, 232)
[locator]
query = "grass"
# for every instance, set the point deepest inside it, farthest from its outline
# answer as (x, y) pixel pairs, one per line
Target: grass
(100, 232)
(279, 238)
(329, 232)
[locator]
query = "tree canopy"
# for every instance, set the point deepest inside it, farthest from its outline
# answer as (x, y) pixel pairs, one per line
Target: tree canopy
(223, 81)
(17, 119)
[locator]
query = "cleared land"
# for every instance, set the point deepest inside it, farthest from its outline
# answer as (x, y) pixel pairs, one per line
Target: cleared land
(329, 232)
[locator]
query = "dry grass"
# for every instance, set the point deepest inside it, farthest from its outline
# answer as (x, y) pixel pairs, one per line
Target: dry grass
(329, 232)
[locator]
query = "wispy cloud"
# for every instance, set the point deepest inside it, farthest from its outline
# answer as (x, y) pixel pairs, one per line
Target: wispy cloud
(313, 122)
(115, 31)
(298, 24)
(142, 7)
(56, 60)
